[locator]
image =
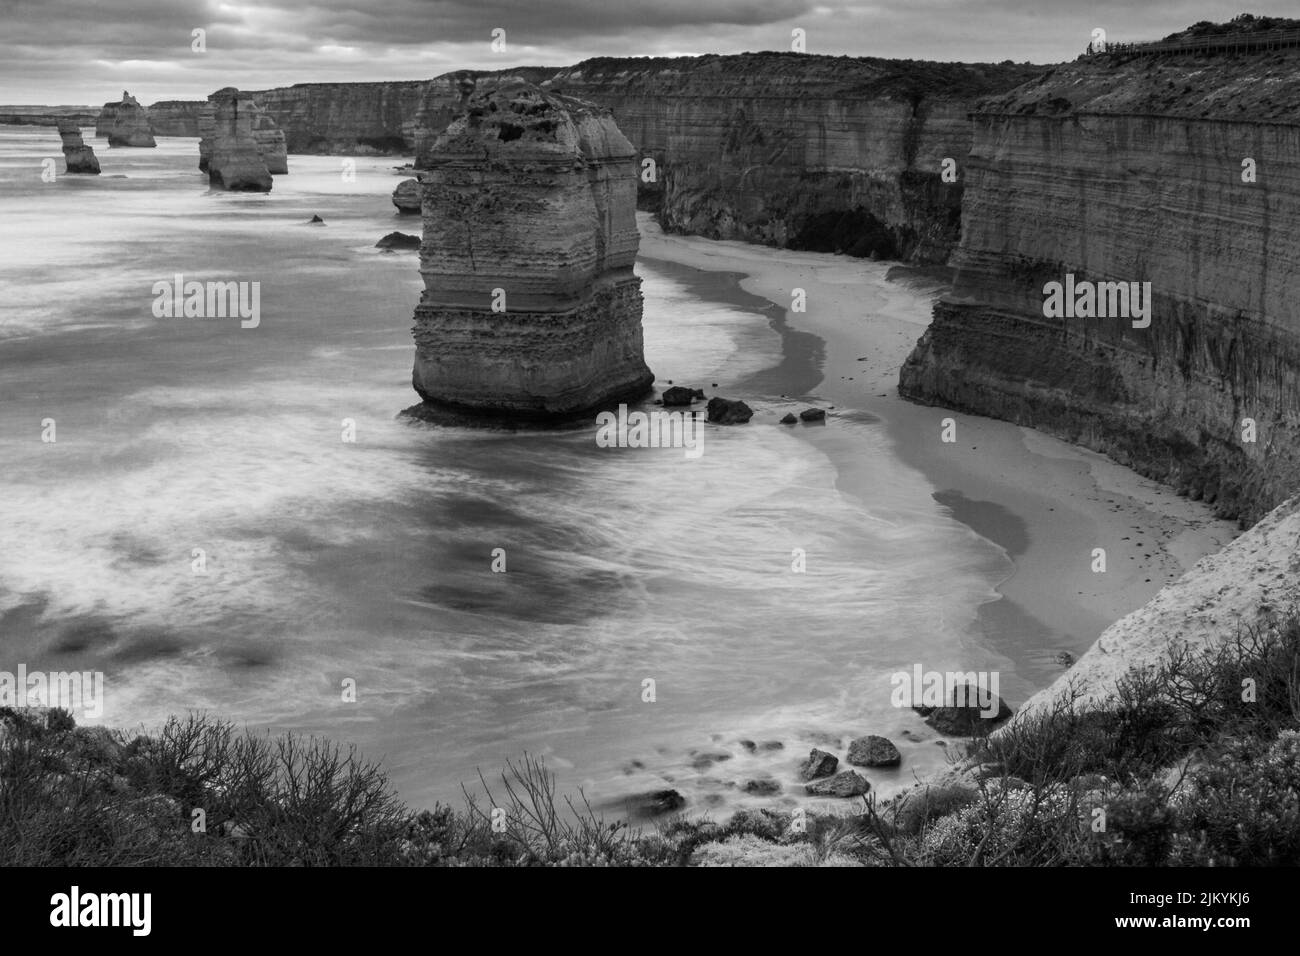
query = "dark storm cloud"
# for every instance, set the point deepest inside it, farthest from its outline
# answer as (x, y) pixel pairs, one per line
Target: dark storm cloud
(88, 50)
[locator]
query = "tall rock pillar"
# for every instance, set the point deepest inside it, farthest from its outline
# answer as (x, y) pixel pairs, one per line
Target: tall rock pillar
(530, 307)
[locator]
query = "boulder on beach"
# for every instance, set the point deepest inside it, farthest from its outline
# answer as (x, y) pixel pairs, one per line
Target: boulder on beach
(874, 751)
(789, 419)
(813, 415)
(846, 783)
(315, 221)
(398, 240)
(964, 717)
(818, 764)
(725, 411)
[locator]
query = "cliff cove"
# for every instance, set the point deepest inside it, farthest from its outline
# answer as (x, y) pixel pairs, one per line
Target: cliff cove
(992, 384)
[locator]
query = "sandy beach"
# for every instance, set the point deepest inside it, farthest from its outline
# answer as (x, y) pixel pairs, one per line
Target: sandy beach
(1047, 504)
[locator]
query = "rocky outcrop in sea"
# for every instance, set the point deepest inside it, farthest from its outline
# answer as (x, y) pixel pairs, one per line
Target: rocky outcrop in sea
(78, 157)
(130, 124)
(531, 308)
(235, 161)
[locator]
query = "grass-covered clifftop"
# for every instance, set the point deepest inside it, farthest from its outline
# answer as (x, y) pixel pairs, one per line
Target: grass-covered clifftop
(1196, 762)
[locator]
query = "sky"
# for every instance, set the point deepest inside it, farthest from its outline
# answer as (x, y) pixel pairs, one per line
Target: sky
(88, 51)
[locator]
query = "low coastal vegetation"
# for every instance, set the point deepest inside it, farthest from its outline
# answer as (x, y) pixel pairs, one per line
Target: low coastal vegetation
(1194, 762)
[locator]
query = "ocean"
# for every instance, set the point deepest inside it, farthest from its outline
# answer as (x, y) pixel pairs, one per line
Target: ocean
(200, 531)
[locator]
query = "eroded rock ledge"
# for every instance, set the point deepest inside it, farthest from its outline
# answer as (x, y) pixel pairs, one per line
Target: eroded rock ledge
(530, 307)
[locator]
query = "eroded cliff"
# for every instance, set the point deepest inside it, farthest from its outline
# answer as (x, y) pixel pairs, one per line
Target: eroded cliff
(1179, 171)
(530, 306)
(793, 150)
(342, 118)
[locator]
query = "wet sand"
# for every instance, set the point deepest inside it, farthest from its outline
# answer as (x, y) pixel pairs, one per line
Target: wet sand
(1045, 503)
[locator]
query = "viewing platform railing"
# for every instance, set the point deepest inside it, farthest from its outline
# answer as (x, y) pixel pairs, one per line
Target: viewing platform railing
(1228, 42)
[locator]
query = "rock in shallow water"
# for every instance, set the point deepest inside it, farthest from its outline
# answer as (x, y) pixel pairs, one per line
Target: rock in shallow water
(677, 395)
(725, 411)
(818, 764)
(398, 240)
(874, 751)
(965, 716)
(813, 415)
(406, 197)
(846, 783)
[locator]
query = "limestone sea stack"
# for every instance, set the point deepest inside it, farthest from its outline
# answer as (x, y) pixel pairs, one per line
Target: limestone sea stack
(207, 125)
(235, 163)
(270, 142)
(79, 157)
(130, 124)
(530, 308)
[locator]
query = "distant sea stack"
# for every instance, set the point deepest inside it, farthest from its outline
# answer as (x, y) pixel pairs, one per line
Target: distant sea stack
(79, 157)
(1178, 174)
(235, 162)
(130, 124)
(531, 308)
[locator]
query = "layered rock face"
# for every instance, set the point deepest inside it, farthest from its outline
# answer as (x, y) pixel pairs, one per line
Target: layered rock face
(810, 152)
(175, 117)
(335, 118)
(130, 124)
(78, 157)
(270, 142)
(806, 152)
(235, 162)
(530, 307)
(48, 115)
(207, 122)
(1133, 172)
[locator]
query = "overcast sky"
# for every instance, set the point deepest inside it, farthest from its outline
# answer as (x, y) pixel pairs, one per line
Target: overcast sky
(88, 51)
